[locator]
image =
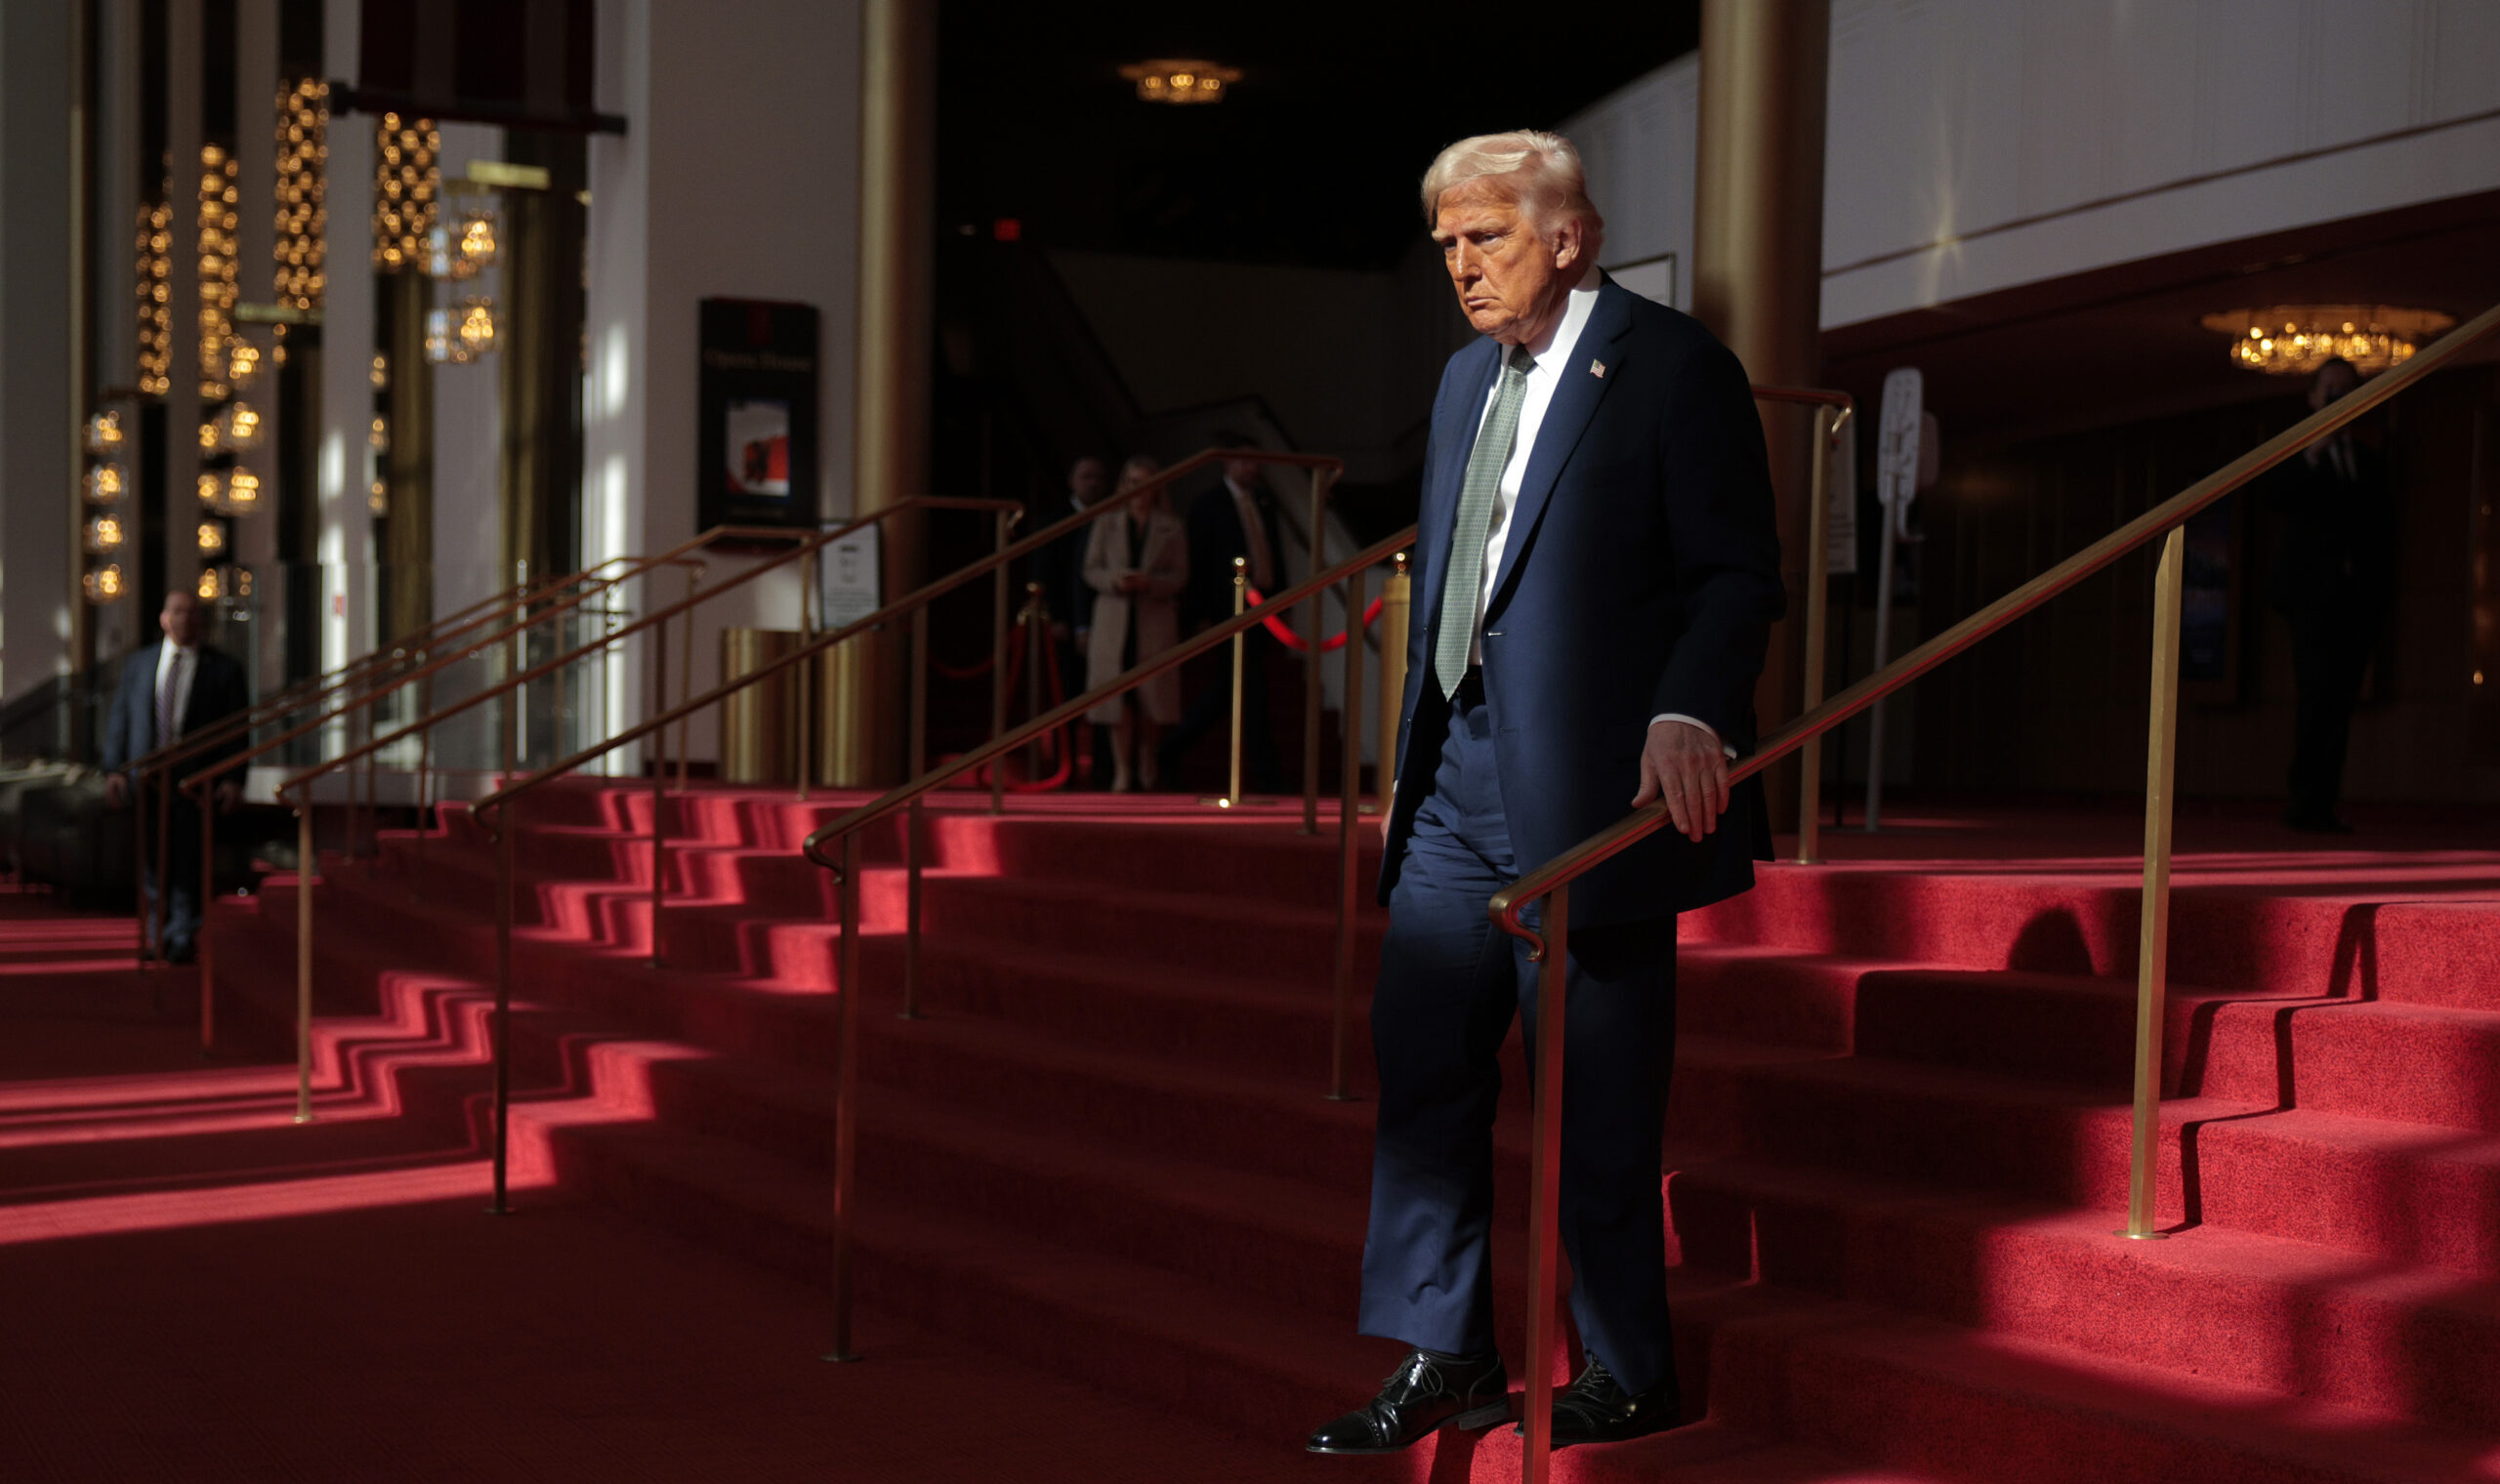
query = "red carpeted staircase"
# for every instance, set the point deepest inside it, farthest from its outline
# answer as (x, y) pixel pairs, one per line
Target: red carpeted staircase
(1898, 1133)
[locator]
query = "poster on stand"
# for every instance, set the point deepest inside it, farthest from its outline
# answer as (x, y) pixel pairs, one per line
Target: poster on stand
(756, 453)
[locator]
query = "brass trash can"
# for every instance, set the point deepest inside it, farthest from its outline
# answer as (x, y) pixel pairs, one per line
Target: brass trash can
(841, 749)
(759, 724)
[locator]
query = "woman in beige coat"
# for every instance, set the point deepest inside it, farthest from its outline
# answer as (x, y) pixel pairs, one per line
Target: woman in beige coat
(1137, 560)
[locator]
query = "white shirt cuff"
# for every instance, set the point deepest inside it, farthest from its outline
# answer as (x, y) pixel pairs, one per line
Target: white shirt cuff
(1707, 730)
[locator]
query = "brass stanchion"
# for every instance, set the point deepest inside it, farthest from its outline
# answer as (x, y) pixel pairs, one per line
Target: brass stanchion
(1350, 801)
(1231, 798)
(998, 662)
(2153, 951)
(1810, 758)
(659, 792)
(1396, 607)
(505, 837)
(846, 1095)
(1313, 620)
(919, 742)
(305, 859)
(1545, 1188)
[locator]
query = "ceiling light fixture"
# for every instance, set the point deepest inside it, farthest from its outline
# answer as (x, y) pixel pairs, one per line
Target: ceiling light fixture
(1180, 80)
(2296, 339)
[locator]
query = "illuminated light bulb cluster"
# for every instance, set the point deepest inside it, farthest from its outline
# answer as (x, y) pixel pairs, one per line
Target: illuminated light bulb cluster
(218, 270)
(303, 216)
(102, 486)
(228, 492)
(1179, 80)
(2295, 340)
(155, 280)
(242, 364)
(407, 184)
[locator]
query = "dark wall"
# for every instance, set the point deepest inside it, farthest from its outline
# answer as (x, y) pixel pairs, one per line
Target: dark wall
(2060, 701)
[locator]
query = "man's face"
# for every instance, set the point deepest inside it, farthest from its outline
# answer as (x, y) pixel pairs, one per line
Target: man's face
(1511, 279)
(2332, 382)
(182, 619)
(1087, 479)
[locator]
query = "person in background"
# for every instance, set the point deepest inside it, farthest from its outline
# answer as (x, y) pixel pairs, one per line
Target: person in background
(2333, 579)
(1136, 562)
(167, 692)
(1235, 519)
(1060, 567)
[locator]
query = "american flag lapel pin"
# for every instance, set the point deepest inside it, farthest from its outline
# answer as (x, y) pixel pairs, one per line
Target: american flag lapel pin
(1597, 368)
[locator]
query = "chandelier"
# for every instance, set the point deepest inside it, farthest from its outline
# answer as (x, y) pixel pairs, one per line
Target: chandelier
(2296, 339)
(1180, 80)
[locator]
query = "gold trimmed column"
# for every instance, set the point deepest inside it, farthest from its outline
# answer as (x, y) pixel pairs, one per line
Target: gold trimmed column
(1758, 261)
(897, 120)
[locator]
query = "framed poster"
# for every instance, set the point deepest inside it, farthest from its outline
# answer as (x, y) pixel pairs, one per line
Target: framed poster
(756, 448)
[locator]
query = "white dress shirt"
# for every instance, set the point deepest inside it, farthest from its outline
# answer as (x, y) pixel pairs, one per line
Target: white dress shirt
(174, 666)
(1552, 353)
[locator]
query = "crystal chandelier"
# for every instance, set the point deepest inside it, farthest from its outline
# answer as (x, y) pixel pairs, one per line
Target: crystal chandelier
(2296, 339)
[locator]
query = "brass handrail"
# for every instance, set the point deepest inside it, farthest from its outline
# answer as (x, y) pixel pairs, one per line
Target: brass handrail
(1550, 882)
(846, 828)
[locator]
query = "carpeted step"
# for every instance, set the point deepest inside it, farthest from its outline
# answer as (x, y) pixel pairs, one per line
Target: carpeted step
(2291, 1317)
(2437, 953)
(2387, 1059)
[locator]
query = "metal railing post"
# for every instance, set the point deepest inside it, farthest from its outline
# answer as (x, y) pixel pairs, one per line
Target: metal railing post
(505, 842)
(1349, 809)
(425, 780)
(659, 792)
(998, 661)
(1397, 608)
(685, 671)
(1037, 621)
(2153, 953)
(165, 787)
(807, 676)
(1545, 1189)
(911, 820)
(306, 859)
(1810, 758)
(207, 901)
(1231, 798)
(846, 1095)
(1313, 621)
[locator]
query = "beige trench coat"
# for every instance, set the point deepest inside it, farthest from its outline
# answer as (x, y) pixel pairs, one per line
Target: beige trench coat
(1156, 609)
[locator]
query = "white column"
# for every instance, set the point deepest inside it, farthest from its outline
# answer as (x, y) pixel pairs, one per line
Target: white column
(39, 534)
(344, 468)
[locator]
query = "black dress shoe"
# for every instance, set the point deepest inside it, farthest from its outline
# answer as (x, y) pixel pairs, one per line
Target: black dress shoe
(1596, 1409)
(1425, 1393)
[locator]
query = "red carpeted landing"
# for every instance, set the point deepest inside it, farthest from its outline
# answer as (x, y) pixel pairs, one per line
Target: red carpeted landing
(1101, 1163)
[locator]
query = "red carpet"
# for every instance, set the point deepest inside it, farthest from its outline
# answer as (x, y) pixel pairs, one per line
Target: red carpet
(1899, 1134)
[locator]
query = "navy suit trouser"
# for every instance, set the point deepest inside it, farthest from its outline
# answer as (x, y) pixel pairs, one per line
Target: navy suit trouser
(1449, 984)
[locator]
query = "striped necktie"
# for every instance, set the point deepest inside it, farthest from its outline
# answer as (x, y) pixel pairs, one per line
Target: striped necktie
(166, 690)
(1475, 524)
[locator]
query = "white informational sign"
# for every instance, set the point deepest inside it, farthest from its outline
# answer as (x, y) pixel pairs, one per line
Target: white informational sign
(847, 588)
(1840, 529)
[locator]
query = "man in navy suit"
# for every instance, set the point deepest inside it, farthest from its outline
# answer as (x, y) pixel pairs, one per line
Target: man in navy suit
(1597, 573)
(168, 690)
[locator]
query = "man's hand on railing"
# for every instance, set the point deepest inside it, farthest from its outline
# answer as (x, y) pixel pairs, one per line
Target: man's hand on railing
(1687, 767)
(228, 793)
(116, 790)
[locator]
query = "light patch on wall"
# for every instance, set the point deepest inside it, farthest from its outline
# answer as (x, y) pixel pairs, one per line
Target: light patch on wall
(613, 369)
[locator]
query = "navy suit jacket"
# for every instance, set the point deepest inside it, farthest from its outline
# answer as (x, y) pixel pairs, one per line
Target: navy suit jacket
(217, 689)
(1640, 576)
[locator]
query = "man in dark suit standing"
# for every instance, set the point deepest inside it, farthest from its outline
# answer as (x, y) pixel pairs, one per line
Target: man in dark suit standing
(1597, 573)
(2333, 580)
(1235, 519)
(167, 692)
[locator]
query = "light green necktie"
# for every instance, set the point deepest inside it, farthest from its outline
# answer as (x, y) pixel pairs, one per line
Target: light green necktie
(1475, 524)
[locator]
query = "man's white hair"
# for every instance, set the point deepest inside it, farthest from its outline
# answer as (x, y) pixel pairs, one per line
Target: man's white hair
(1541, 169)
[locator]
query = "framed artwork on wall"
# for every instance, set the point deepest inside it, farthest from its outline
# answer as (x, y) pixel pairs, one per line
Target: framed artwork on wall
(757, 446)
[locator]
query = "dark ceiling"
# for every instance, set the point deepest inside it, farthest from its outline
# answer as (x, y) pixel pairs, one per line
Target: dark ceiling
(1311, 158)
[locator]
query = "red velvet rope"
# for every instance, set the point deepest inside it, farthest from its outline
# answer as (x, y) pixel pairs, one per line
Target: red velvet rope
(1294, 641)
